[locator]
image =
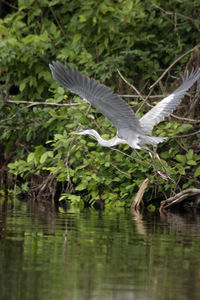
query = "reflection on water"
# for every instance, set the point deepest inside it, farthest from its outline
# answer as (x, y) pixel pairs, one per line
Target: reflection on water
(96, 255)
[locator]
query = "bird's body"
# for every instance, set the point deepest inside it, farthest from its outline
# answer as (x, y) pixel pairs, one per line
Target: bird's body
(130, 130)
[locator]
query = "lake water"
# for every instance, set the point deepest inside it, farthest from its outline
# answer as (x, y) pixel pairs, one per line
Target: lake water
(97, 255)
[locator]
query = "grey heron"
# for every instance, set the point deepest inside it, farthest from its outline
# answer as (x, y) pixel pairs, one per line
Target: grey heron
(130, 130)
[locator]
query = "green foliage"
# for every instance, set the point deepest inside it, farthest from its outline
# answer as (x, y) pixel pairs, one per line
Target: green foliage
(140, 38)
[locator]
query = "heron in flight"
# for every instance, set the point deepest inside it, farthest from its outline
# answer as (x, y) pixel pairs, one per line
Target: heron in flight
(130, 130)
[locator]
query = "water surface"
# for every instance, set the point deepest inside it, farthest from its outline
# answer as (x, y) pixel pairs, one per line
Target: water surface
(97, 255)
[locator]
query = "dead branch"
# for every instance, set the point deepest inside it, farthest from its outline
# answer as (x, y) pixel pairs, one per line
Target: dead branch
(79, 103)
(9, 4)
(166, 12)
(187, 135)
(145, 96)
(58, 23)
(42, 103)
(30, 104)
(138, 197)
(136, 90)
(14, 115)
(176, 60)
(184, 119)
(133, 158)
(118, 169)
(131, 85)
(174, 200)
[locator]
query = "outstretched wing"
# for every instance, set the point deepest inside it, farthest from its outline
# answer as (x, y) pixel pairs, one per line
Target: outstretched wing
(98, 95)
(165, 107)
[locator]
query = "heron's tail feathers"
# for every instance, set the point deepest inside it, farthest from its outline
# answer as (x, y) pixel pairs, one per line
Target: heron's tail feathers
(151, 140)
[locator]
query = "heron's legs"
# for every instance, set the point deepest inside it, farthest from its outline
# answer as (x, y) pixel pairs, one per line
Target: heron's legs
(158, 157)
(153, 161)
(149, 152)
(153, 154)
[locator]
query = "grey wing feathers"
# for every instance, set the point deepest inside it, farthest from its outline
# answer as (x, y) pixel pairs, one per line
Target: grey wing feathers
(169, 104)
(98, 95)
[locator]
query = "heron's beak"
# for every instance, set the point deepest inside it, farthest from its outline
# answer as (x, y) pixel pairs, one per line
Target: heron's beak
(72, 133)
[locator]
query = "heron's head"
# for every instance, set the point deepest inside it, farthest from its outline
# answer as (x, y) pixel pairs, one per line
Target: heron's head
(82, 131)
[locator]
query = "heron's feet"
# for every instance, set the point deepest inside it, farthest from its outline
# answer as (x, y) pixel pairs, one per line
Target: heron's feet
(164, 175)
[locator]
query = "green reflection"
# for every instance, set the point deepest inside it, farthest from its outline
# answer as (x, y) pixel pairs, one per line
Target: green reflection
(97, 255)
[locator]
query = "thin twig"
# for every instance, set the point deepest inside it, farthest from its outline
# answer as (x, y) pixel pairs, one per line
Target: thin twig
(137, 91)
(42, 103)
(79, 103)
(133, 158)
(58, 23)
(7, 3)
(1, 93)
(184, 119)
(66, 164)
(13, 116)
(132, 86)
(114, 166)
(33, 104)
(144, 102)
(176, 60)
(144, 96)
(186, 135)
(176, 14)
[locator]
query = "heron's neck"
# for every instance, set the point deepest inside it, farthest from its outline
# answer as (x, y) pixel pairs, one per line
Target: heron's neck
(106, 143)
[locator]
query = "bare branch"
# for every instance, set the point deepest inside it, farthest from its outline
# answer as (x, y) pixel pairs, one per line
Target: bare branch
(13, 116)
(138, 197)
(184, 119)
(7, 3)
(144, 96)
(176, 60)
(58, 23)
(30, 104)
(42, 103)
(179, 197)
(133, 158)
(114, 166)
(175, 15)
(136, 90)
(79, 103)
(186, 135)
(132, 86)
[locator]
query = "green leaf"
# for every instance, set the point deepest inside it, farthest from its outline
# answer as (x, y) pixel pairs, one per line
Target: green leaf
(43, 157)
(191, 162)
(81, 187)
(22, 86)
(190, 154)
(181, 158)
(82, 18)
(74, 198)
(185, 128)
(197, 172)
(107, 164)
(31, 157)
(60, 90)
(76, 37)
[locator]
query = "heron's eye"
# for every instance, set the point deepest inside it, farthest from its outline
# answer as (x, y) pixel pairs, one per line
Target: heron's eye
(85, 128)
